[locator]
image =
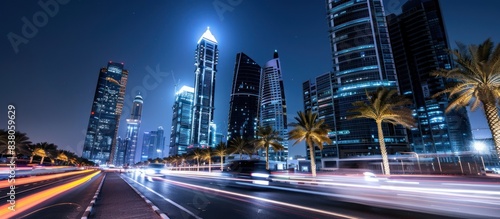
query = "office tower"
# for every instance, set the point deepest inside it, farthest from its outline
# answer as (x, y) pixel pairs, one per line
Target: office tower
(180, 131)
(153, 144)
(100, 140)
(133, 126)
(318, 98)
(362, 62)
(273, 105)
(244, 103)
(119, 157)
(419, 45)
(211, 135)
(146, 144)
(204, 88)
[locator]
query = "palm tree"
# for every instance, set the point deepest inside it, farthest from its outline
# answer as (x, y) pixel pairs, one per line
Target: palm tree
(21, 143)
(206, 154)
(36, 151)
(221, 151)
(197, 155)
(62, 157)
(312, 131)
(477, 81)
(384, 105)
(266, 138)
(238, 145)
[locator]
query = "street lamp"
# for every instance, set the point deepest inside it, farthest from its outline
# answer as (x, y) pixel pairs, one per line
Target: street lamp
(418, 160)
(480, 146)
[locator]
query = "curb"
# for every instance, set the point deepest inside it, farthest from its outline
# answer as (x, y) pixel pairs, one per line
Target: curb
(89, 208)
(153, 206)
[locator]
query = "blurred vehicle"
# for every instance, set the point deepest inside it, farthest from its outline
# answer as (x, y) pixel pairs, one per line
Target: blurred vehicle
(253, 171)
(155, 169)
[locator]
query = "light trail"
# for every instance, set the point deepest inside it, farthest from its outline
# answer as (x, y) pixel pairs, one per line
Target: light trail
(257, 198)
(31, 201)
(26, 180)
(166, 199)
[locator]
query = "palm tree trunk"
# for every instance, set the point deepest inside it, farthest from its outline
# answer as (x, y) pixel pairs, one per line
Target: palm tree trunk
(383, 150)
(198, 162)
(493, 119)
(41, 161)
(31, 159)
(313, 159)
(209, 165)
(221, 167)
(267, 157)
(240, 155)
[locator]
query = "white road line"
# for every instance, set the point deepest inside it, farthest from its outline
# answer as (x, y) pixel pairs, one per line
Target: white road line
(166, 199)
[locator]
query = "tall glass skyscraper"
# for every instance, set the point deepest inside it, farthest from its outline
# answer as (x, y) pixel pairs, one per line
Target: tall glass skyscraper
(133, 126)
(101, 137)
(206, 58)
(244, 103)
(318, 98)
(153, 144)
(362, 61)
(419, 44)
(180, 131)
(273, 105)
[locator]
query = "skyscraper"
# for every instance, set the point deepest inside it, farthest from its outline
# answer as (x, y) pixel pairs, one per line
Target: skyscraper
(133, 126)
(273, 105)
(153, 144)
(180, 131)
(318, 98)
(244, 103)
(362, 61)
(206, 58)
(100, 140)
(419, 44)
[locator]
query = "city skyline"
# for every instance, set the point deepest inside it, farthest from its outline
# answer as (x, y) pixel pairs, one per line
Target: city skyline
(64, 53)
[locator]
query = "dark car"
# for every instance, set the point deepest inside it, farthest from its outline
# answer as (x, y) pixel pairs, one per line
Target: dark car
(250, 171)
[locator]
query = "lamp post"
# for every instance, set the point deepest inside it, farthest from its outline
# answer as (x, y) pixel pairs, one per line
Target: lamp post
(418, 160)
(480, 146)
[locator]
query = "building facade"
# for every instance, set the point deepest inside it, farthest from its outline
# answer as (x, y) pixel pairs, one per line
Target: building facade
(244, 103)
(153, 144)
(180, 131)
(101, 138)
(133, 127)
(272, 104)
(419, 44)
(362, 61)
(206, 58)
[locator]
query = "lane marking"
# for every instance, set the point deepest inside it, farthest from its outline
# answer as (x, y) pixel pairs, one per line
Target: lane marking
(166, 199)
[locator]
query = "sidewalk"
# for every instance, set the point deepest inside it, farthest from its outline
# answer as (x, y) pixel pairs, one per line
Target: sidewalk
(118, 200)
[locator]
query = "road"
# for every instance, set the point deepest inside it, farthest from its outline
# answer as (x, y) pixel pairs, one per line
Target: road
(52, 196)
(201, 196)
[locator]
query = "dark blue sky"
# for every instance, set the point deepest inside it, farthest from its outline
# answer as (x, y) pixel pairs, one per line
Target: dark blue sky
(52, 78)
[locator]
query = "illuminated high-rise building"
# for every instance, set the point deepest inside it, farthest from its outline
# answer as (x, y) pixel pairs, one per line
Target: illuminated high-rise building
(420, 45)
(153, 144)
(180, 131)
(133, 126)
(244, 103)
(362, 61)
(273, 105)
(206, 57)
(101, 138)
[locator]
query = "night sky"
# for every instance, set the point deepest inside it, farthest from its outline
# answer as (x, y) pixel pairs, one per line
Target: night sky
(52, 77)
